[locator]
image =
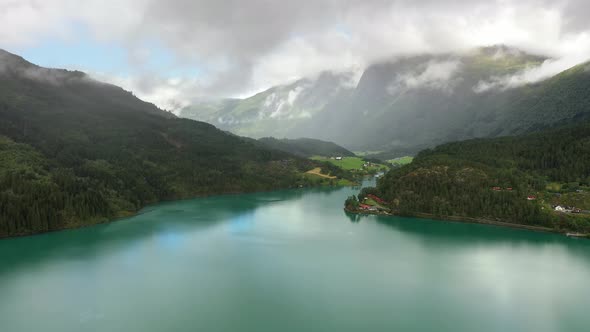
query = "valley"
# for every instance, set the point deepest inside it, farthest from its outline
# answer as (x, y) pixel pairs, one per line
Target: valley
(294, 166)
(406, 104)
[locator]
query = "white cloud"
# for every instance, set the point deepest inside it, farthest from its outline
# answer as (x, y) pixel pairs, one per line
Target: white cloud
(434, 75)
(293, 94)
(170, 94)
(578, 51)
(437, 75)
(248, 47)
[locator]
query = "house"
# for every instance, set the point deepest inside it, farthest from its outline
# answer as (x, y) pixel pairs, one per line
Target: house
(376, 199)
(509, 188)
(567, 209)
(496, 189)
(364, 206)
(338, 158)
(531, 198)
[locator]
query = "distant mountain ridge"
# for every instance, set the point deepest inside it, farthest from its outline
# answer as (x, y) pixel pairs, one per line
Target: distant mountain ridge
(306, 147)
(406, 104)
(276, 111)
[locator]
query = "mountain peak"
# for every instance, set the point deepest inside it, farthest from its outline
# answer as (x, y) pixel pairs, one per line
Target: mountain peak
(10, 60)
(16, 66)
(76, 87)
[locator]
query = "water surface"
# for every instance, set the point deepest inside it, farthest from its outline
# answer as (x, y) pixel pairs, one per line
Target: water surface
(291, 261)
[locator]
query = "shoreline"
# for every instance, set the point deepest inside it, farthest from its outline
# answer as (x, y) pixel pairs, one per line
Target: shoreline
(129, 214)
(470, 220)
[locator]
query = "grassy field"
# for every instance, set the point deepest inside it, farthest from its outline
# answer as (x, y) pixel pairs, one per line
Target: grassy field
(554, 187)
(352, 164)
(347, 163)
(401, 161)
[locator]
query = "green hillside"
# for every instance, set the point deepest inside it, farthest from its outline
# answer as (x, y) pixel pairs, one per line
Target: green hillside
(494, 178)
(306, 147)
(74, 151)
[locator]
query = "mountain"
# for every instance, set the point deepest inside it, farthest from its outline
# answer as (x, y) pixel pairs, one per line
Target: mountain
(306, 147)
(406, 104)
(276, 111)
(75, 151)
(514, 179)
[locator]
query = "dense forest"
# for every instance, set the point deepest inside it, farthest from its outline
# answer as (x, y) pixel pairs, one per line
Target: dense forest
(495, 178)
(306, 147)
(74, 151)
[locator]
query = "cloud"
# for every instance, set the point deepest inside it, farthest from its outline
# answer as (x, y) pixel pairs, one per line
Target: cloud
(435, 75)
(579, 52)
(11, 65)
(244, 47)
(170, 94)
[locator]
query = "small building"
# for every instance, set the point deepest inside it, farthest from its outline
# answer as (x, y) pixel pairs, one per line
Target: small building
(376, 199)
(567, 209)
(509, 188)
(496, 189)
(338, 158)
(531, 198)
(364, 206)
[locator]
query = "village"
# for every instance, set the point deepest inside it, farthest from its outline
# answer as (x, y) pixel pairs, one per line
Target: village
(367, 203)
(553, 197)
(355, 164)
(374, 204)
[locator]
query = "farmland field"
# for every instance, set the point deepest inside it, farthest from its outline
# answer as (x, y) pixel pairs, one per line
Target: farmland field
(347, 163)
(401, 161)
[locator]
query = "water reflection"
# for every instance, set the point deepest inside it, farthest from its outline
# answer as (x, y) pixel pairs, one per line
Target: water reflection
(291, 261)
(442, 234)
(353, 217)
(165, 223)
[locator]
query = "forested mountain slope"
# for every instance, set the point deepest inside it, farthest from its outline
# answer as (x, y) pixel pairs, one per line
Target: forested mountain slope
(495, 178)
(306, 147)
(74, 151)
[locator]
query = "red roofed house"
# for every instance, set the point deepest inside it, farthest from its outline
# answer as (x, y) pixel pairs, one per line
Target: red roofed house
(376, 199)
(531, 198)
(364, 206)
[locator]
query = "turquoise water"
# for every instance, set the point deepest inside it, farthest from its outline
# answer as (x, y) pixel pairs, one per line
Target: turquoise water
(291, 261)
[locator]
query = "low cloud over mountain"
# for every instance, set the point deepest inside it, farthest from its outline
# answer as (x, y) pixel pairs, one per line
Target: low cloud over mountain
(236, 49)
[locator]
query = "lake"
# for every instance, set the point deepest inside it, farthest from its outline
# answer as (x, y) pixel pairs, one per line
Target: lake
(291, 261)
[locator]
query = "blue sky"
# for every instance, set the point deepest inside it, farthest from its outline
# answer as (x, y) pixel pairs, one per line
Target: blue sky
(81, 51)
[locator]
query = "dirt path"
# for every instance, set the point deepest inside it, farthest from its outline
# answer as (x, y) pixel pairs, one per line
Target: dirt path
(317, 171)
